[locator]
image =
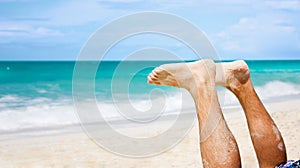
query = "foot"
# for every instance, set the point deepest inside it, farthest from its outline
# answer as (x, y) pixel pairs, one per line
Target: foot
(232, 75)
(217, 144)
(184, 75)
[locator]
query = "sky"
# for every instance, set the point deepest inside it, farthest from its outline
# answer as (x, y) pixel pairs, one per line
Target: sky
(238, 29)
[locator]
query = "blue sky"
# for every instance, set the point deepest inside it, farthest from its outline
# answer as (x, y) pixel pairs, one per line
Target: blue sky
(239, 29)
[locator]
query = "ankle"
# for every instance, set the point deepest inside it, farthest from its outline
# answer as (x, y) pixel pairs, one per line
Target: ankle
(242, 89)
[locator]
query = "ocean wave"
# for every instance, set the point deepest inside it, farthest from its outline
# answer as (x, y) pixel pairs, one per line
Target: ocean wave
(277, 89)
(20, 113)
(293, 70)
(271, 90)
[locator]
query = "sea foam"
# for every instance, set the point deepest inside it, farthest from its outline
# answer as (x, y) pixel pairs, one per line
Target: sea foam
(19, 113)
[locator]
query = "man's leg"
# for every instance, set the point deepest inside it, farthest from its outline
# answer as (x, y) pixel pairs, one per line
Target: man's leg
(265, 136)
(217, 144)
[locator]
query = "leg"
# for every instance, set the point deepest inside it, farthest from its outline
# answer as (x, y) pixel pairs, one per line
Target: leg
(265, 136)
(217, 144)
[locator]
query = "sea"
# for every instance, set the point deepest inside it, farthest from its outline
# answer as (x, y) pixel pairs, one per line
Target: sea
(39, 94)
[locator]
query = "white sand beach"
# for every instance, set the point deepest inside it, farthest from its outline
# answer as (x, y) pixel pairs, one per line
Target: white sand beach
(76, 150)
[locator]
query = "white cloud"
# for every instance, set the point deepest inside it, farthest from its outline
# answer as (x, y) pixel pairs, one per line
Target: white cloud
(236, 26)
(47, 32)
(283, 4)
(12, 29)
(236, 37)
(74, 13)
(24, 30)
(268, 32)
(77, 13)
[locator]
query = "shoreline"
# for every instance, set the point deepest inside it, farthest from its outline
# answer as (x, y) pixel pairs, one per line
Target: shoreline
(72, 128)
(76, 149)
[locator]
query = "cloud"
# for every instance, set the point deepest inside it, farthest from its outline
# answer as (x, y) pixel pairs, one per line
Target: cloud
(267, 34)
(293, 5)
(236, 27)
(76, 13)
(8, 29)
(27, 19)
(15, 30)
(48, 32)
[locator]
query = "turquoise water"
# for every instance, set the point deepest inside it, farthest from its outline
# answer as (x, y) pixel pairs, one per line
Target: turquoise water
(54, 79)
(263, 72)
(39, 94)
(32, 79)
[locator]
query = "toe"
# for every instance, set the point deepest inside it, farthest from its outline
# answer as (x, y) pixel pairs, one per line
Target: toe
(152, 77)
(158, 70)
(149, 80)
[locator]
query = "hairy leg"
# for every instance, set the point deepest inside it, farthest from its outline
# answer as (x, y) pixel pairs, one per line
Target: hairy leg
(217, 144)
(265, 136)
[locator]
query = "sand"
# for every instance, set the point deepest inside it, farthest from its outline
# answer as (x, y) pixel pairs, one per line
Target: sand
(77, 150)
